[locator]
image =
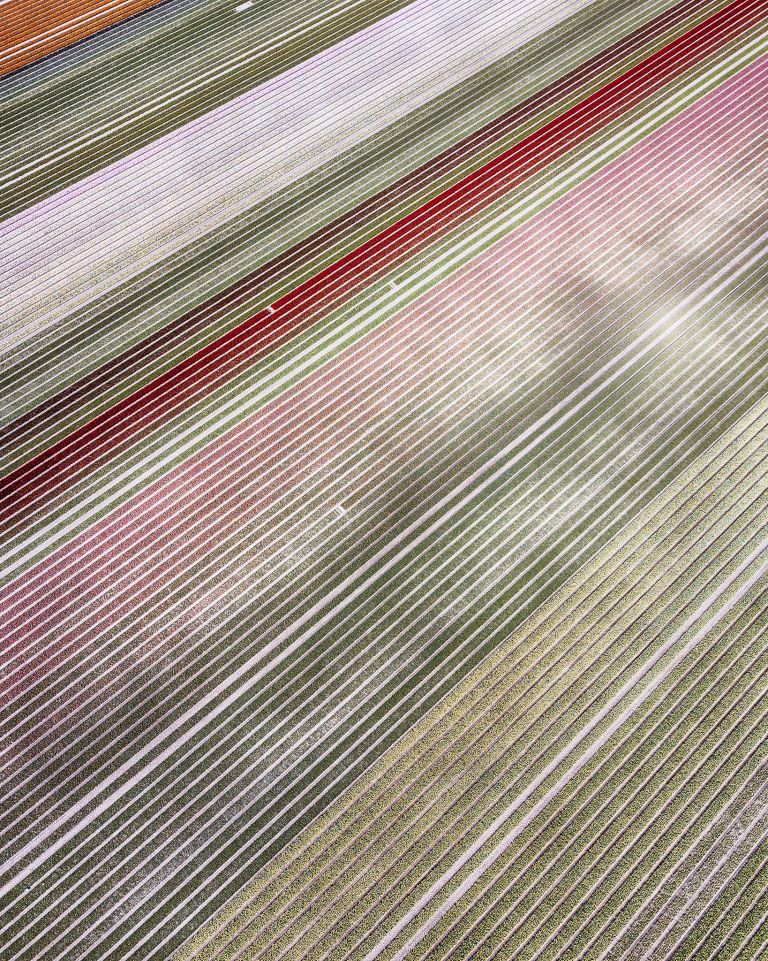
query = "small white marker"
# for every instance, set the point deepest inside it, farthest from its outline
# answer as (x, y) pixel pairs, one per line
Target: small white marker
(244, 6)
(340, 510)
(393, 285)
(270, 309)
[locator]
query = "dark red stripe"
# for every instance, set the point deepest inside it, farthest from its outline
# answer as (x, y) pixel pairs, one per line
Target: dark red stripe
(222, 359)
(197, 319)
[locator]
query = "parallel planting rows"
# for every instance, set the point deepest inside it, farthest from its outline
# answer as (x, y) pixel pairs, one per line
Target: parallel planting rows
(383, 537)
